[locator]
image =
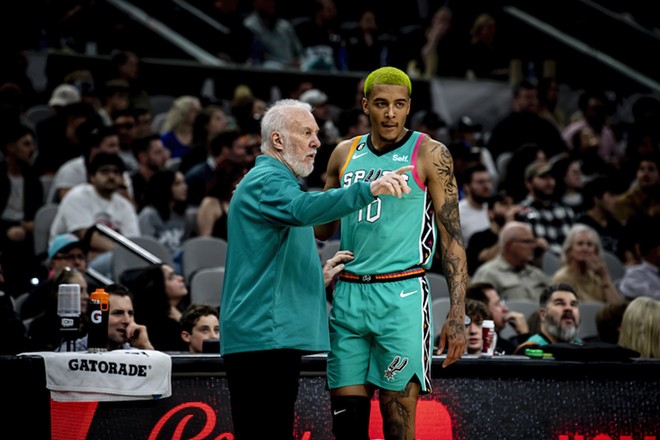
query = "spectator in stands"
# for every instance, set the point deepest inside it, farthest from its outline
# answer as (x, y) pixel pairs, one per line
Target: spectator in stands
(151, 157)
(560, 318)
(328, 134)
(567, 171)
(473, 208)
(199, 322)
(62, 96)
(114, 97)
(469, 132)
(164, 214)
(161, 296)
(584, 268)
(596, 108)
(366, 45)
(247, 109)
(476, 311)
(437, 40)
(640, 327)
(145, 118)
(485, 57)
(275, 43)
(93, 139)
(599, 198)
(548, 100)
(178, 127)
(550, 219)
(99, 201)
(126, 66)
(65, 250)
(585, 146)
(211, 216)
(44, 330)
(643, 279)
(57, 136)
(523, 125)
(123, 332)
(128, 129)
(512, 176)
(234, 43)
(319, 37)
(511, 272)
(211, 121)
(643, 193)
(501, 316)
(226, 145)
(483, 245)
(608, 322)
(21, 195)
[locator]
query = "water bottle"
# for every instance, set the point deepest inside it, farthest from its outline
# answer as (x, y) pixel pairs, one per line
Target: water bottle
(98, 321)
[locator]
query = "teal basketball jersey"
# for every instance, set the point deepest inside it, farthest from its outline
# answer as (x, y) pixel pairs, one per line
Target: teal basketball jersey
(390, 234)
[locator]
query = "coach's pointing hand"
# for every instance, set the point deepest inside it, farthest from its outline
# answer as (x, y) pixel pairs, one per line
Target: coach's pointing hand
(392, 183)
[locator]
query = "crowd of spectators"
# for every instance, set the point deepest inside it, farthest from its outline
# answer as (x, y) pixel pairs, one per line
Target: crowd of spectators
(524, 184)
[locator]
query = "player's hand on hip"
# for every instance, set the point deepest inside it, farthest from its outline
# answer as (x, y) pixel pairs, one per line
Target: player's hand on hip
(392, 183)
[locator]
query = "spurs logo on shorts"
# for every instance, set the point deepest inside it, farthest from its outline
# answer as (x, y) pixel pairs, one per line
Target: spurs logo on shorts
(395, 366)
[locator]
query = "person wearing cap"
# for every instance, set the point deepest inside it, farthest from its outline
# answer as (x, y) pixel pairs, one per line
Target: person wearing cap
(64, 250)
(550, 219)
(98, 201)
(21, 196)
(63, 95)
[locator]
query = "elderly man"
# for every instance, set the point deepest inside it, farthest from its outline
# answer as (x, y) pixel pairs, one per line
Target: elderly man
(511, 272)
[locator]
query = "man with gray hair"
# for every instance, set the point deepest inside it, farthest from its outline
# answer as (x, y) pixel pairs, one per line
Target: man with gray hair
(273, 307)
(511, 272)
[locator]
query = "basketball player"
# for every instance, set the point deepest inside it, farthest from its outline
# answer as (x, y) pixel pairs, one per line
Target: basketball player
(381, 334)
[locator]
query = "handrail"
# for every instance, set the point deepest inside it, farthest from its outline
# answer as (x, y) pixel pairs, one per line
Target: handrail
(583, 48)
(167, 33)
(127, 243)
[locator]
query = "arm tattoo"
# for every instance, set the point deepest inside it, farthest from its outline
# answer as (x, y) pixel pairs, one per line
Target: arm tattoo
(453, 246)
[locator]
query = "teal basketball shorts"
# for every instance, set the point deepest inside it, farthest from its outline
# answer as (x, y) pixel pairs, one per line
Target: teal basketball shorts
(381, 334)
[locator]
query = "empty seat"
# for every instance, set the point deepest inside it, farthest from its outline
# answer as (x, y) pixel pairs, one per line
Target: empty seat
(200, 253)
(550, 263)
(206, 286)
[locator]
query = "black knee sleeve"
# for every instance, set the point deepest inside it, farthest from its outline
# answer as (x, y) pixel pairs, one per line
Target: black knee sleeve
(350, 417)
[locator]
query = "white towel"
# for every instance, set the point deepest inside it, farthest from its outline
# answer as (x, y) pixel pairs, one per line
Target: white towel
(107, 376)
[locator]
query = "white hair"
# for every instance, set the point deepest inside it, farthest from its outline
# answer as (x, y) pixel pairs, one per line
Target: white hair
(277, 118)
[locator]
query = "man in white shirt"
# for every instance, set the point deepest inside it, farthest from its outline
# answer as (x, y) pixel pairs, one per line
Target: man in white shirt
(473, 208)
(98, 202)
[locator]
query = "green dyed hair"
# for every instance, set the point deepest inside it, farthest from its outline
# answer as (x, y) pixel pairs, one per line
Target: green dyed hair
(387, 75)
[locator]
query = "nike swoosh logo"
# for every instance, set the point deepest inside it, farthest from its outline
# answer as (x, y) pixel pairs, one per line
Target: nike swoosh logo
(334, 413)
(356, 155)
(404, 294)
